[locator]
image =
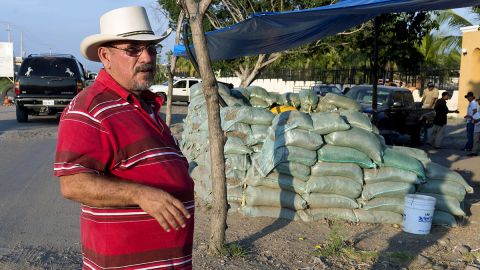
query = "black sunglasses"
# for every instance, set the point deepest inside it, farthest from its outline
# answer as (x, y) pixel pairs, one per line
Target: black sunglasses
(136, 50)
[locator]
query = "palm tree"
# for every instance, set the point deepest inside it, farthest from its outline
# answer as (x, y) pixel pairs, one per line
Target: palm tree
(442, 48)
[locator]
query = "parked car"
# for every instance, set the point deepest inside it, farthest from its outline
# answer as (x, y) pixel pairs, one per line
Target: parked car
(322, 90)
(396, 111)
(46, 83)
(181, 89)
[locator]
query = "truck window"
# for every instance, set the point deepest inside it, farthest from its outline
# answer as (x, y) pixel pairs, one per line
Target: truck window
(50, 66)
(192, 83)
(408, 100)
(180, 84)
(398, 97)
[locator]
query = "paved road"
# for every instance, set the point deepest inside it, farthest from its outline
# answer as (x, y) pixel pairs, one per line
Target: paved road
(39, 229)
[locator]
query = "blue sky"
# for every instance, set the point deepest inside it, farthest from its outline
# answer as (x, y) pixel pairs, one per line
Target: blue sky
(60, 25)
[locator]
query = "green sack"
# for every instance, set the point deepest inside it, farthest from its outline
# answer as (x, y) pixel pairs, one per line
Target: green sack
(308, 100)
(258, 135)
(394, 158)
(382, 217)
(342, 102)
(325, 123)
(390, 174)
(439, 172)
(297, 137)
(245, 114)
(358, 119)
(270, 211)
(294, 169)
(235, 193)
(241, 93)
(449, 188)
(348, 170)
(259, 93)
(334, 185)
(385, 204)
(273, 154)
(327, 213)
(236, 166)
(387, 189)
(277, 181)
(236, 146)
(259, 103)
(294, 100)
(318, 200)
(446, 203)
(292, 119)
(239, 130)
(416, 153)
(263, 196)
(339, 154)
(363, 141)
(444, 219)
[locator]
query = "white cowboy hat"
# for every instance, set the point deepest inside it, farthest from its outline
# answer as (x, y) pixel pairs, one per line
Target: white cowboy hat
(127, 23)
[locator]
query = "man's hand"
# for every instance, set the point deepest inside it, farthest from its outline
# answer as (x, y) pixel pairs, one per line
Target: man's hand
(165, 208)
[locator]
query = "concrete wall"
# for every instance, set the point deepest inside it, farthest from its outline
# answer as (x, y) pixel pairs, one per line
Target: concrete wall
(469, 66)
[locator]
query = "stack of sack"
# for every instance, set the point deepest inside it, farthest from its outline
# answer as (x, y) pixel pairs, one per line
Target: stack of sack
(324, 161)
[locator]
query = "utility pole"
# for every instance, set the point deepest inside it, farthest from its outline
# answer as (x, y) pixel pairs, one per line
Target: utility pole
(8, 31)
(21, 44)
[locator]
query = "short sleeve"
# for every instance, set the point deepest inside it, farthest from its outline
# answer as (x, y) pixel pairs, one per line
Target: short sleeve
(83, 145)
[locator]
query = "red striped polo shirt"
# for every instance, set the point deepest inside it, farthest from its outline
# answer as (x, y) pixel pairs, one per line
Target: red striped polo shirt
(105, 131)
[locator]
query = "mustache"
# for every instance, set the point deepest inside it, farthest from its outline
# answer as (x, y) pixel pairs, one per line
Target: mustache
(145, 68)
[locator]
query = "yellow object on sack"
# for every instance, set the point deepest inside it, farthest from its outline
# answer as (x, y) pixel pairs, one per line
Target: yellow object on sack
(282, 108)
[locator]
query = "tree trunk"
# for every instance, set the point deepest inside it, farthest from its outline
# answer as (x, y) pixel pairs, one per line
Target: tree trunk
(171, 71)
(168, 116)
(247, 75)
(196, 12)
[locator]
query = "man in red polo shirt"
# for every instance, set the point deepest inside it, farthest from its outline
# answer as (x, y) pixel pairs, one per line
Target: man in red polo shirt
(117, 157)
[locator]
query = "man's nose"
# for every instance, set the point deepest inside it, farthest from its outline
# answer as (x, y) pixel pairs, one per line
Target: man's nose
(147, 57)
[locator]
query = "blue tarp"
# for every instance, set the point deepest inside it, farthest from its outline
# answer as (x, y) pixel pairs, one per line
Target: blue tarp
(270, 32)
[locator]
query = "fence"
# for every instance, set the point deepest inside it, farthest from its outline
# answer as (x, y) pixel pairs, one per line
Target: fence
(446, 79)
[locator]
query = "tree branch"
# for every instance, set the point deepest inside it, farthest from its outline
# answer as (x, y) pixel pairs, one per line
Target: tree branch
(354, 31)
(271, 58)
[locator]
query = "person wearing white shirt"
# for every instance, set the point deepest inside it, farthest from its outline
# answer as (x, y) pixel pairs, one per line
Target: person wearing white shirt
(471, 110)
(476, 134)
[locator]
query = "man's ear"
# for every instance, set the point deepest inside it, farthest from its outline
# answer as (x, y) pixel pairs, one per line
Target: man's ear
(104, 55)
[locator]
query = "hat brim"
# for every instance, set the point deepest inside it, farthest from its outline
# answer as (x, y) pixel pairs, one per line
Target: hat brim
(89, 45)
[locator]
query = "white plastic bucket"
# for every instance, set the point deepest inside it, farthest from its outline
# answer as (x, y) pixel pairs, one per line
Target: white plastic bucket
(418, 213)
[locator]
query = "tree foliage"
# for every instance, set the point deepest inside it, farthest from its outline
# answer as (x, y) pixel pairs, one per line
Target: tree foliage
(400, 37)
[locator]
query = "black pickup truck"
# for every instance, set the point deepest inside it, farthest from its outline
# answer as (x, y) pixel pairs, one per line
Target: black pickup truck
(397, 113)
(45, 84)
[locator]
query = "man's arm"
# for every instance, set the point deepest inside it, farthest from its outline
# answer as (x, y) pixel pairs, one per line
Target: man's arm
(100, 191)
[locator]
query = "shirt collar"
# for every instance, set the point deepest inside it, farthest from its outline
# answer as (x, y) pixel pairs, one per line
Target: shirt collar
(150, 97)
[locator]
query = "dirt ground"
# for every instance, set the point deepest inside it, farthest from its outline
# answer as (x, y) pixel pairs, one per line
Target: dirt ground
(266, 243)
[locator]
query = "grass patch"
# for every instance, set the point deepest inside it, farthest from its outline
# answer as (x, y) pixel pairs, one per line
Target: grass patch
(333, 246)
(336, 246)
(360, 255)
(471, 257)
(401, 257)
(234, 250)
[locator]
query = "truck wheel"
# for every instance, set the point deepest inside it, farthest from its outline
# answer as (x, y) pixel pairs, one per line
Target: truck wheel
(22, 114)
(418, 136)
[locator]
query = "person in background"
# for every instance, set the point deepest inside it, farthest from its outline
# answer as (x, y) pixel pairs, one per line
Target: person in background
(471, 110)
(429, 96)
(117, 157)
(440, 120)
(476, 133)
